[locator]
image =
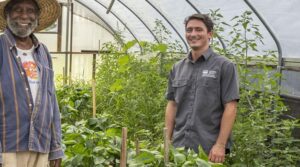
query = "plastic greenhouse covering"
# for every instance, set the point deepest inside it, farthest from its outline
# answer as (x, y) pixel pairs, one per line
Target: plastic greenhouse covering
(138, 17)
(277, 21)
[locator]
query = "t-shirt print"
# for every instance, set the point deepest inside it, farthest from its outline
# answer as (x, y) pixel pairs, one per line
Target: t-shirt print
(31, 70)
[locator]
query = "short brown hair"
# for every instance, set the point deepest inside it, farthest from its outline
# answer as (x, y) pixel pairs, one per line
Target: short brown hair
(204, 18)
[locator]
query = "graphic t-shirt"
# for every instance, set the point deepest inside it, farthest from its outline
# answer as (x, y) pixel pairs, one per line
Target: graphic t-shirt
(31, 70)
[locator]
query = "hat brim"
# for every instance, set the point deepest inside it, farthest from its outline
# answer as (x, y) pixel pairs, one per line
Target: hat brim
(50, 10)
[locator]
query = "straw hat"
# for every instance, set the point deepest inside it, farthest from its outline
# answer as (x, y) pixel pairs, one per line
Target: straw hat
(49, 12)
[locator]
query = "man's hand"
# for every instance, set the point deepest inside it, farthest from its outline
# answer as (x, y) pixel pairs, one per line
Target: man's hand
(217, 154)
(55, 163)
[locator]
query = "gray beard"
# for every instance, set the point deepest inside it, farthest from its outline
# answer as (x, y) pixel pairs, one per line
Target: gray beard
(21, 31)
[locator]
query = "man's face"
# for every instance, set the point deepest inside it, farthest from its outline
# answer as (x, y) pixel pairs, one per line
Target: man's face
(23, 19)
(197, 35)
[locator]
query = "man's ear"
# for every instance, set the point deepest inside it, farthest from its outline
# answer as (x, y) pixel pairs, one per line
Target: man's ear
(211, 33)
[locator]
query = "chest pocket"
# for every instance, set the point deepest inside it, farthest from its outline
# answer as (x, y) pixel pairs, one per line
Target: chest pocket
(179, 83)
(208, 82)
(180, 87)
(209, 78)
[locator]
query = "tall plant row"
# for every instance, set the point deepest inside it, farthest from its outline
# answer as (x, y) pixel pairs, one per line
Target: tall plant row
(263, 137)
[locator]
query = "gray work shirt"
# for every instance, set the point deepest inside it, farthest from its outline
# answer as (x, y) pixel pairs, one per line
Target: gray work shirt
(200, 90)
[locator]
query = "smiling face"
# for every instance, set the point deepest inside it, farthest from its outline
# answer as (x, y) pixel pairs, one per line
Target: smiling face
(22, 19)
(197, 35)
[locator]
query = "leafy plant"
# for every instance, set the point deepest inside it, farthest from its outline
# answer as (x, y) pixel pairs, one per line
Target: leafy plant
(262, 136)
(95, 142)
(74, 101)
(178, 157)
(164, 36)
(86, 145)
(131, 88)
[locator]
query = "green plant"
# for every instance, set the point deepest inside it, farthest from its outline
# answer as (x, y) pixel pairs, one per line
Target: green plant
(86, 146)
(74, 101)
(262, 136)
(131, 88)
(96, 142)
(164, 36)
(178, 157)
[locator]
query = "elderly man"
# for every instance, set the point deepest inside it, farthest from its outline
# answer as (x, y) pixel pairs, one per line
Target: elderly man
(202, 94)
(30, 130)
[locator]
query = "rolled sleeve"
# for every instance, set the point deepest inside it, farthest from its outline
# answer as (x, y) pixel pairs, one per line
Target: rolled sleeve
(56, 154)
(170, 90)
(229, 83)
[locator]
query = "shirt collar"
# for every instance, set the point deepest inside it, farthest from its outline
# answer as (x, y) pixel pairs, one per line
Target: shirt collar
(12, 41)
(205, 56)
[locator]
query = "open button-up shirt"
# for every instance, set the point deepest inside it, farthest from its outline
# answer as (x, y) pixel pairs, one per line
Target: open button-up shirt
(25, 126)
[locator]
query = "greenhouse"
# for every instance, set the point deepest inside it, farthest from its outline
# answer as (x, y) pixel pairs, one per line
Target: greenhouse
(113, 61)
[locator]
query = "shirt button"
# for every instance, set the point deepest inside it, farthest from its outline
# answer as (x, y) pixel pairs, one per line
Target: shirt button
(26, 89)
(30, 105)
(22, 73)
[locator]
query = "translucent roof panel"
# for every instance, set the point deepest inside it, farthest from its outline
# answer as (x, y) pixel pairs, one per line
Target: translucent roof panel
(283, 17)
(136, 18)
(134, 24)
(80, 11)
(149, 13)
(110, 19)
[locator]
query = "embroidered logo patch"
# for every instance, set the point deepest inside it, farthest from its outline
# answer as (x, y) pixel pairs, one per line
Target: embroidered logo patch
(209, 73)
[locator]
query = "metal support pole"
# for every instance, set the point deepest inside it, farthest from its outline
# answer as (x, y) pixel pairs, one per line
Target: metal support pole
(110, 6)
(67, 43)
(59, 32)
(94, 67)
(71, 44)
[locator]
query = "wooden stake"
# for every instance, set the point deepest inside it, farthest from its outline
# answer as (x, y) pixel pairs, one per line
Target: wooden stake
(94, 97)
(123, 160)
(137, 147)
(166, 147)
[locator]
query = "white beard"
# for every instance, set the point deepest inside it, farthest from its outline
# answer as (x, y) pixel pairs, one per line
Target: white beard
(19, 31)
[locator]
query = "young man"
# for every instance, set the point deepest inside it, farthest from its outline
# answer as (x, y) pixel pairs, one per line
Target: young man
(30, 130)
(202, 94)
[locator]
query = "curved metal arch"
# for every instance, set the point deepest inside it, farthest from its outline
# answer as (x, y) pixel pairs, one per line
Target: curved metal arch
(111, 33)
(186, 46)
(123, 24)
(112, 29)
(198, 11)
(267, 27)
(280, 61)
(138, 17)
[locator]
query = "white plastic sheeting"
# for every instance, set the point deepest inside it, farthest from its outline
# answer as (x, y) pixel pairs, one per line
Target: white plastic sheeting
(136, 18)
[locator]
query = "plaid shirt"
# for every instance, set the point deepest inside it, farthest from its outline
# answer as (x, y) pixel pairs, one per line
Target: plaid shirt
(25, 126)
